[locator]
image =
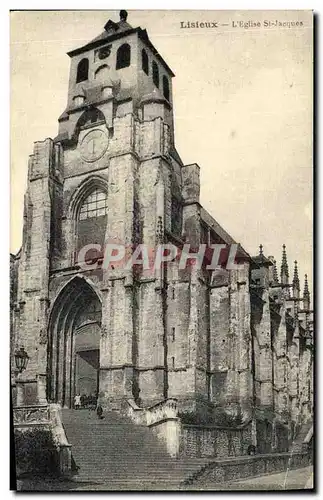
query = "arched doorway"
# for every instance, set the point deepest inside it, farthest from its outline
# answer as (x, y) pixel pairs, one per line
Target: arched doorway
(74, 343)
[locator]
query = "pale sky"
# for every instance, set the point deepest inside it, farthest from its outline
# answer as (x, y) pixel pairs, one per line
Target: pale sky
(242, 103)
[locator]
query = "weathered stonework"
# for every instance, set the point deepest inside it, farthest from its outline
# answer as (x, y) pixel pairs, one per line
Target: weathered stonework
(229, 340)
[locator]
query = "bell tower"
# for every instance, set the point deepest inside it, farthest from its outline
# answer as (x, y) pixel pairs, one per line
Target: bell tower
(111, 174)
(119, 66)
(121, 176)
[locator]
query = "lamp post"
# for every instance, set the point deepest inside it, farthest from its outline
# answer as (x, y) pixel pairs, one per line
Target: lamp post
(21, 361)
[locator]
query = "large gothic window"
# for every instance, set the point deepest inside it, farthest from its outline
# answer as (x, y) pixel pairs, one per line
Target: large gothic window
(82, 70)
(92, 222)
(94, 205)
(123, 56)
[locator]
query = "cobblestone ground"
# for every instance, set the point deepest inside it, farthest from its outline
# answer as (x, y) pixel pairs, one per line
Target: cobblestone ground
(297, 479)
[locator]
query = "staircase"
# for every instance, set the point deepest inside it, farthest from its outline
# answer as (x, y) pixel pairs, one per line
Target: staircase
(116, 454)
(298, 443)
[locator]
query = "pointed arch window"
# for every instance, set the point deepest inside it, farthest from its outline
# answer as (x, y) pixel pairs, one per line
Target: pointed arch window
(155, 74)
(90, 117)
(92, 219)
(166, 87)
(95, 205)
(82, 70)
(144, 61)
(123, 56)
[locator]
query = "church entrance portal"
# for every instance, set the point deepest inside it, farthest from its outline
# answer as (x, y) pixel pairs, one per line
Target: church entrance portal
(74, 345)
(87, 373)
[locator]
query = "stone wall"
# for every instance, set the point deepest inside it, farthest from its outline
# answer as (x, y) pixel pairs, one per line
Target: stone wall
(231, 384)
(226, 471)
(263, 364)
(35, 452)
(210, 441)
(31, 308)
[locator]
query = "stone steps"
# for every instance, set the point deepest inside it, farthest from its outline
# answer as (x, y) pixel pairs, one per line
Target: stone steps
(297, 444)
(114, 453)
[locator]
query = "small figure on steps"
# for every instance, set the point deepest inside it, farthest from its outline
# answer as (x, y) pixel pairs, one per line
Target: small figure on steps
(99, 411)
(77, 402)
(251, 449)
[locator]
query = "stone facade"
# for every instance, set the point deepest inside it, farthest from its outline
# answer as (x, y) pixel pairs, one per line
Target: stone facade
(239, 341)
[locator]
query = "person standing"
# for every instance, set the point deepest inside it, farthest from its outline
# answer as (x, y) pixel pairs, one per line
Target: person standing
(99, 412)
(77, 402)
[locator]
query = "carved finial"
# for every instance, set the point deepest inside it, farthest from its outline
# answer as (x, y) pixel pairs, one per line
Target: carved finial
(261, 249)
(296, 278)
(284, 275)
(296, 286)
(123, 15)
(306, 295)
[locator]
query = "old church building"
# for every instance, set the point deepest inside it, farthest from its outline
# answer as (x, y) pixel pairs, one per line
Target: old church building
(232, 342)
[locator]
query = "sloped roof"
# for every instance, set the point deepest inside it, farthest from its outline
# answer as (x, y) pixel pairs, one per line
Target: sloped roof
(154, 96)
(228, 240)
(261, 259)
(114, 31)
(111, 28)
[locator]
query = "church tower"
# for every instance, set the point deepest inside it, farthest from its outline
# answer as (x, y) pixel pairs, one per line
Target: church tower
(117, 73)
(231, 344)
(112, 174)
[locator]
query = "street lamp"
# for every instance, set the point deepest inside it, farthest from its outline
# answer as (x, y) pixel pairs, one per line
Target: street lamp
(21, 359)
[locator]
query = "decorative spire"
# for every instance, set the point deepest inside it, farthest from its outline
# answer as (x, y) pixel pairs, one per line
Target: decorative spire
(296, 287)
(306, 295)
(284, 275)
(261, 249)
